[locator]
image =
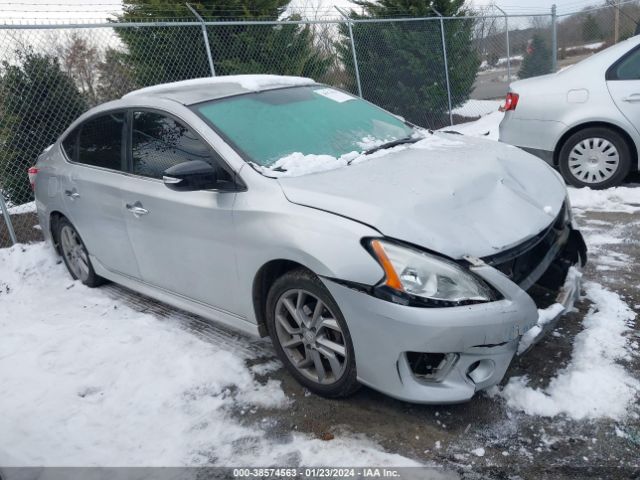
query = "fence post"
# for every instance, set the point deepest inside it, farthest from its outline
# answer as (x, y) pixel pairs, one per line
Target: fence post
(353, 49)
(446, 65)
(205, 36)
(554, 38)
(506, 24)
(7, 220)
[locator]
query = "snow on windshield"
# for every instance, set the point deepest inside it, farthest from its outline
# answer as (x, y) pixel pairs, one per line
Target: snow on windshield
(297, 164)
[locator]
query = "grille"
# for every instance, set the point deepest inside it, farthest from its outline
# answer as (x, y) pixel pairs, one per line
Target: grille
(519, 262)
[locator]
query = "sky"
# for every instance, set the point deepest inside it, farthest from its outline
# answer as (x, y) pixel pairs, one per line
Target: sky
(96, 10)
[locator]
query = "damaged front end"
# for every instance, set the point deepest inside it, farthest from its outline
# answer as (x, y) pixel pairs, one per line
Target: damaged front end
(548, 264)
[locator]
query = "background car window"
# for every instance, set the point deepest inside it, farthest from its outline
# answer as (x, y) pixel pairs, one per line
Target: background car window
(100, 142)
(160, 142)
(629, 68)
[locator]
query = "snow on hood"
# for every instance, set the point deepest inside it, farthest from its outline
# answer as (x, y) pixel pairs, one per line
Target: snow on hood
(448, 193)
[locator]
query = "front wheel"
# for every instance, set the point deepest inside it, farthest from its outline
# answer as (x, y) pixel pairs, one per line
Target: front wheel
(310, 334)
(595, 157)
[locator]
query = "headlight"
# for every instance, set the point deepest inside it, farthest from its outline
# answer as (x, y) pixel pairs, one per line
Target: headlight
(433, 280)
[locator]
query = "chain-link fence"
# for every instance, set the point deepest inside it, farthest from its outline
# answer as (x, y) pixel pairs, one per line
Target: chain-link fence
(434, 71)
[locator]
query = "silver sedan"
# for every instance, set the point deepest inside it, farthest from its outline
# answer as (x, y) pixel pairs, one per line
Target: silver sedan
(585, 120)
(370, 251)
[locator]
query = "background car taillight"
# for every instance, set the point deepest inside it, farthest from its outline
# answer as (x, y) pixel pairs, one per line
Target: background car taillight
(33, 171)
(511, 102)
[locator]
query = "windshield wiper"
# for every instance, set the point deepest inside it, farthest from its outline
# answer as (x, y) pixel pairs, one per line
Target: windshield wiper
(392, 143)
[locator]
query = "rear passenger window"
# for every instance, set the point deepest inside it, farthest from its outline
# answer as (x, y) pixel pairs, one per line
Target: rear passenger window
(160, 142)
(100, 142)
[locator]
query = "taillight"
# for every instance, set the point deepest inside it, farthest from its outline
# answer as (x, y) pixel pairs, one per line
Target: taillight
(33, 171)
(510, 103)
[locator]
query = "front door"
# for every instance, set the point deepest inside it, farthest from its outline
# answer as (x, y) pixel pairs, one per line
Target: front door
(183, 241)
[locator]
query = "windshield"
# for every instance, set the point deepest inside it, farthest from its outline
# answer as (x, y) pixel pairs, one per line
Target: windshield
(268, 126)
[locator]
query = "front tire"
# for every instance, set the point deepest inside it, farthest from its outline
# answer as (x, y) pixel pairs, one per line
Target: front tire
(75, 254)
(595, 157)
(310, 334)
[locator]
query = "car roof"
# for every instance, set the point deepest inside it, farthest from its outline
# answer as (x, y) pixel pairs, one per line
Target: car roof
(198, 90)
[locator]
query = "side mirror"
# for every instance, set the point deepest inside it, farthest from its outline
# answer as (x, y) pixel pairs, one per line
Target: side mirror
(190, 176)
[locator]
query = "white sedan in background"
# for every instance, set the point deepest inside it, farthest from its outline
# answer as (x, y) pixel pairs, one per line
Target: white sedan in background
(585, 120)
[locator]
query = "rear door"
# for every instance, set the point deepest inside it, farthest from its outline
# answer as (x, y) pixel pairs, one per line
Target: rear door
(623, 82)
(184, 241)
(91, 190)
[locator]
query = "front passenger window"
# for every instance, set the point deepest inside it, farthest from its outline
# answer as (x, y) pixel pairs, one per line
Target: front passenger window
(160, 142)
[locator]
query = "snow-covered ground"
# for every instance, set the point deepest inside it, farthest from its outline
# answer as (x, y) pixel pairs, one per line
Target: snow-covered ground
(29, 207)
(596, 353)
(85, 380)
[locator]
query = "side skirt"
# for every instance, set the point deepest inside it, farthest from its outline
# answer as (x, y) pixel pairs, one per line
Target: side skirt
(209, 312)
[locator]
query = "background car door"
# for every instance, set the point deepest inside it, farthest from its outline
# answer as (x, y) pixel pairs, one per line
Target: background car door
(183, 240)
(623, 82)
(91, 190)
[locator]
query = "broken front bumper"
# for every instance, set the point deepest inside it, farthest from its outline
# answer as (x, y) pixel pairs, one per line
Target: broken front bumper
(446, 355)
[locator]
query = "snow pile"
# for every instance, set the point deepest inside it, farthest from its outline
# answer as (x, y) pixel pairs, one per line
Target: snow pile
(589, 46)
(29, 207)
(297, 163)
(477, 108)
(86, 381)
(616, 199)
(253, 83)
(487, 126)
(593, 385)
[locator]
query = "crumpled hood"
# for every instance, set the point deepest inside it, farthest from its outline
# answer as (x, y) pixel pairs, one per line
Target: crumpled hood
(451, 194)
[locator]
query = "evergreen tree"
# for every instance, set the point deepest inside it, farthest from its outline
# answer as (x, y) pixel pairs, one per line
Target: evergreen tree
(402, 64)
(590, 29)
(537, 60)
(37, 103)
(166, 54)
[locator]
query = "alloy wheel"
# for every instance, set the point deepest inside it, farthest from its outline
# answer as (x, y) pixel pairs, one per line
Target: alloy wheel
(310, 336)
(74, 252)
(594, 160)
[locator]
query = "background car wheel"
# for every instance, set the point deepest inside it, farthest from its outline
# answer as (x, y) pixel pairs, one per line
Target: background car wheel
(75, 254)
(596, 158)
(310, 334)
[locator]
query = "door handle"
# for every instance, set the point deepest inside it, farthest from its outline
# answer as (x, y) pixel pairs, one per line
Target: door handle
(137, 209)
(633, 98)
(72, 194)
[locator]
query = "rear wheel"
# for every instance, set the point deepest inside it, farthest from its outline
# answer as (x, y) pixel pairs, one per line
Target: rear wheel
(310, 334)
(75, 254)
(595, 157)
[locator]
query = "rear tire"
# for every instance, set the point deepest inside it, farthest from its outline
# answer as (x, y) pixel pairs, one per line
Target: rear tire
(74, 254)
(596, 157)
(310, 334)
